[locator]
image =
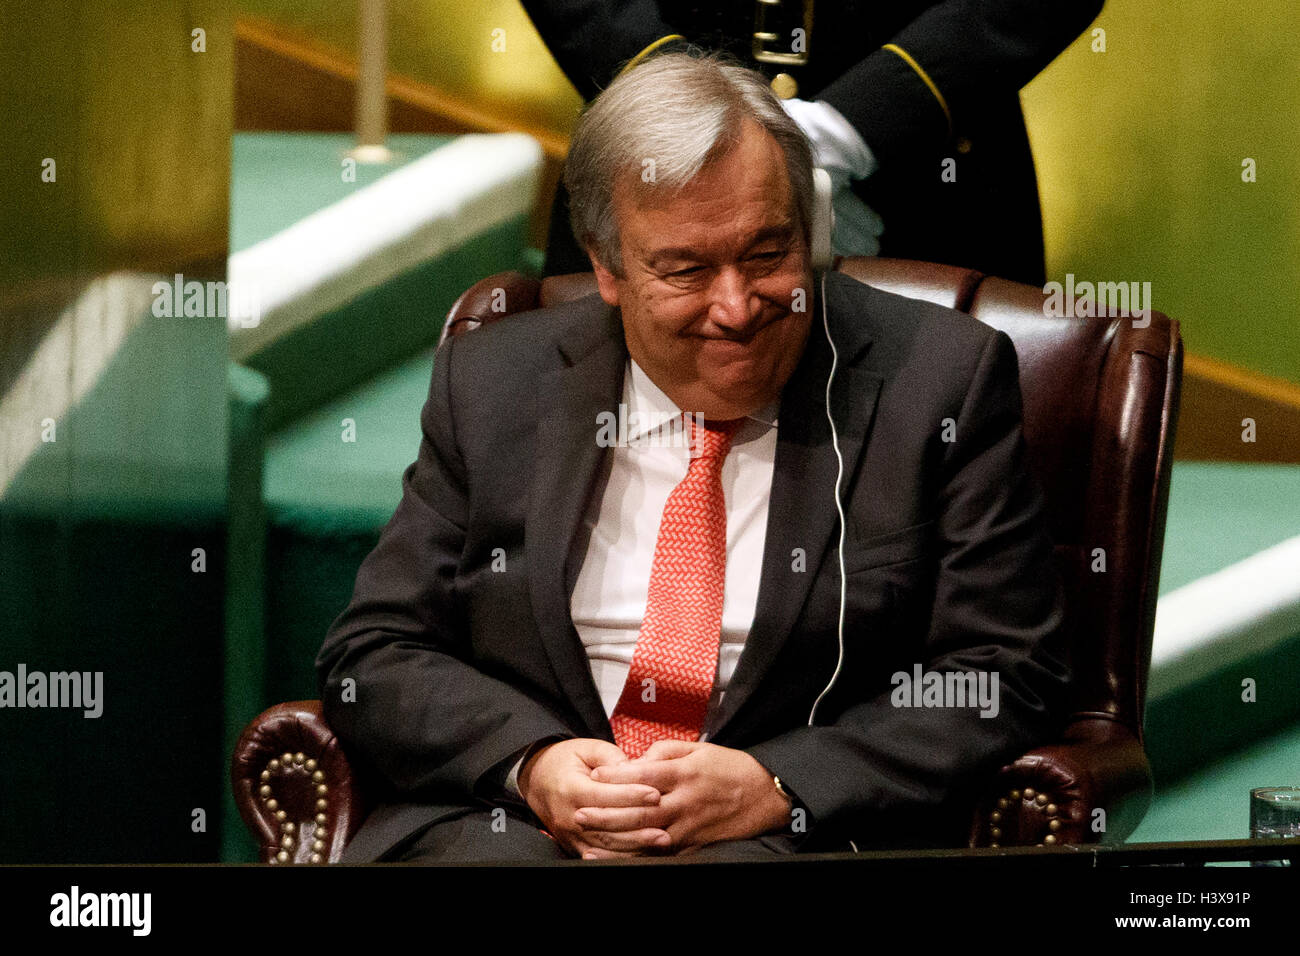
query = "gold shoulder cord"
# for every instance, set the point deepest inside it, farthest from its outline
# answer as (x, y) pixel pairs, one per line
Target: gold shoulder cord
(925, 78)
(648, 50)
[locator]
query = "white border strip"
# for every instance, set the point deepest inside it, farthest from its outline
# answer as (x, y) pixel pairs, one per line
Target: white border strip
(1245, 609)
(412, 215)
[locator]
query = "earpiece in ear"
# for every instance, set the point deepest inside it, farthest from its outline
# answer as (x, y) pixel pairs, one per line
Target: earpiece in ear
(823, 220)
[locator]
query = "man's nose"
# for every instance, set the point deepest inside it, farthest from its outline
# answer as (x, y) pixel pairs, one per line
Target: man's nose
(733, 304)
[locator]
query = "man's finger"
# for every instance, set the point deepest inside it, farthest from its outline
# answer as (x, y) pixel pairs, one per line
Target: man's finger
(623, 819)
(598, 753)
(663, 775)
(669, 749)
(633, 841)
(589, 852)
(590, 793)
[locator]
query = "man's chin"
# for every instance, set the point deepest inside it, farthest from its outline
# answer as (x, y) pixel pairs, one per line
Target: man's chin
(731, 398)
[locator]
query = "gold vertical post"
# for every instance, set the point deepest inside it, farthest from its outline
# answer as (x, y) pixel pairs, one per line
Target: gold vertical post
(372, 103)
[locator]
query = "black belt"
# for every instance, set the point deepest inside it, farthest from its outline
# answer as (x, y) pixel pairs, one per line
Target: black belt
(774, 37)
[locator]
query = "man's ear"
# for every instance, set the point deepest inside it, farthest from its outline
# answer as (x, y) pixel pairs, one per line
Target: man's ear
(605, 280)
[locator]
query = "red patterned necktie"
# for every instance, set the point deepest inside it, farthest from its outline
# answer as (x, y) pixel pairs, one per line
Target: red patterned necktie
(676, 658)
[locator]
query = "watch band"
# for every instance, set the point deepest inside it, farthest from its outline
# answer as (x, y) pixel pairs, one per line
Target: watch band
(782, 790)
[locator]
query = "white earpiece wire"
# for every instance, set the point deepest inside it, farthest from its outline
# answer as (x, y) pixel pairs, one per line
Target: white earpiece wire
(839, 507)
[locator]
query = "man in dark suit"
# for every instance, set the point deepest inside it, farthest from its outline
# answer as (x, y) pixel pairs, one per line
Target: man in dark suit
(505, 651)
(931, 87)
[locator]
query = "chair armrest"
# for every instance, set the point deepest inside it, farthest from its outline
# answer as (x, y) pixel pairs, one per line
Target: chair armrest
(1049, 795)
(489, 300)
(294, 787)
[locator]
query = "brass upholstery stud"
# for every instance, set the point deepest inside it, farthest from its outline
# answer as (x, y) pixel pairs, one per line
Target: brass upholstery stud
(266, 775)
(1051, 809)
(1002, 803)
(287, 758)
(1053, 825)
(1029, 793)
(282, 856)
(320, 818)
(273, 765)
(272, 805)
(995, 816)
(280, 814)
(996, 833)
(317, 858)
(299, 757)
(318, 776)
(264, 790)
(311, 763)
(320, 804)
(1041, 798)
(1050, 840)
(321, 789)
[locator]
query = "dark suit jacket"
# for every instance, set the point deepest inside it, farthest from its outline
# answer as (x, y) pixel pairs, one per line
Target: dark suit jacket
(978, 53)
(457, 667)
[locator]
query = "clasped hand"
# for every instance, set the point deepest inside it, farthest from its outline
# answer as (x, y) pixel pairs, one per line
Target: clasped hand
(675, 798)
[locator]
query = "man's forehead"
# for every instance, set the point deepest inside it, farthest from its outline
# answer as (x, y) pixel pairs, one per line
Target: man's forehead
(781, 229)
(762, 171)
(776, 222)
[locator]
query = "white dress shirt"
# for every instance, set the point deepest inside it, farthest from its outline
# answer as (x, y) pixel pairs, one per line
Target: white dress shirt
(616, 543)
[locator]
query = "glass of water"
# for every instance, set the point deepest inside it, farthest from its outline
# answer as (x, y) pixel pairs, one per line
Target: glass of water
(1274, 812)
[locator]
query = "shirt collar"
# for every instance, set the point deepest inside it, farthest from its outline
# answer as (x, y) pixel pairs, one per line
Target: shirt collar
(649, 408)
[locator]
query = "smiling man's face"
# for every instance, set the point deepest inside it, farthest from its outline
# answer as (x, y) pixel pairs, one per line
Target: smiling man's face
(710, 280)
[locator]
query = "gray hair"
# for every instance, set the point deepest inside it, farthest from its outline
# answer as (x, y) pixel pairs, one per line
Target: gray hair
(682, 112)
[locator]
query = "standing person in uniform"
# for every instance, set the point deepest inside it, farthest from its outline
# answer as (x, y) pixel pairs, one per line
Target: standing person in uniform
(912, 106)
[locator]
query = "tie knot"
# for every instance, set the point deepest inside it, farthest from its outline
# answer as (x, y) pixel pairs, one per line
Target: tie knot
(711, 438)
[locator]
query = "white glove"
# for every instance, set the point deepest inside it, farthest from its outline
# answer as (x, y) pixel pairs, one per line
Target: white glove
(841, 151)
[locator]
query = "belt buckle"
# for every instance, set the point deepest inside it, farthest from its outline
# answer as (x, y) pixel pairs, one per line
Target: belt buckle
(763, 33)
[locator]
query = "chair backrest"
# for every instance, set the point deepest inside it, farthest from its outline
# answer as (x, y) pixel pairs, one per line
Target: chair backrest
(1100, 407)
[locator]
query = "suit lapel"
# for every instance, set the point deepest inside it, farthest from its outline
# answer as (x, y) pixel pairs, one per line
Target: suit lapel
(569, 465)
(801, 510)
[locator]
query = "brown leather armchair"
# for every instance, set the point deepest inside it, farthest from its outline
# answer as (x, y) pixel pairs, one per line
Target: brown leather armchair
(1100, 406)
